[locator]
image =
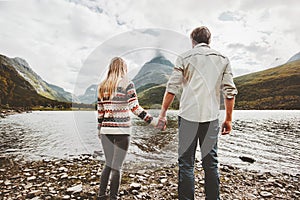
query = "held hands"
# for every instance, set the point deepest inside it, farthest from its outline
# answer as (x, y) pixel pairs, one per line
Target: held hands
(159, 123)
(226, 127)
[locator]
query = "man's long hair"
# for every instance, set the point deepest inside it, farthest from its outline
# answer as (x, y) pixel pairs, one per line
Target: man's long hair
(116, 72)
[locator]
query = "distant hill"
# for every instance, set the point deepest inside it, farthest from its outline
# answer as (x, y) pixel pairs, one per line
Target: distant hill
(294, 57)
(90, 95)
(153, 97)
(274, 88)
(156, 71)
(17, 91)
(42, 87)
(152, 73)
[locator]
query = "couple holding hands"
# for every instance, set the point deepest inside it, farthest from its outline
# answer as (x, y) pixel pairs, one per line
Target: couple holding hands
(201, 73)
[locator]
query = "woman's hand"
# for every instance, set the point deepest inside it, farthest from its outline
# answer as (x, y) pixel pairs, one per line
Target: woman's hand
(159, 123)
(162, 123)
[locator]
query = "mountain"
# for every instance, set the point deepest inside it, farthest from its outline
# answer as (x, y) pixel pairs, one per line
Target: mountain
(42, 87)
(153, 73)
(274, 88)
(294, 57)
(90, 95)
(156, 71)
(17, 91)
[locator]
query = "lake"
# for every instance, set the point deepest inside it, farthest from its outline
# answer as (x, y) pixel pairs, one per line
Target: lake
(269, 137)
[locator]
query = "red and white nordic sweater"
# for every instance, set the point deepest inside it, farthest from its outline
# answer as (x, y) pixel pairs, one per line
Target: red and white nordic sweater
(113, 114)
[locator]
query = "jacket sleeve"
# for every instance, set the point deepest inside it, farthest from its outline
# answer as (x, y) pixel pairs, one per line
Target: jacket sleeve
(134, 106)
(175, 82)
(228, 86)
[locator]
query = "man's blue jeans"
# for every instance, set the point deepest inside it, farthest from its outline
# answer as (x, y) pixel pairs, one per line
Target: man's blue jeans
(189, 134)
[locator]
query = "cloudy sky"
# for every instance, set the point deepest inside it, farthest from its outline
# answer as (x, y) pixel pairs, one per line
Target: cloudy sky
(60, 39)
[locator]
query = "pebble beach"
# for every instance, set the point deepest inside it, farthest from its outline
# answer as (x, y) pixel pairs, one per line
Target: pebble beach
(78, 178)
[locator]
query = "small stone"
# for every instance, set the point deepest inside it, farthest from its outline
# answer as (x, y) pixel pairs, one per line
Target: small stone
(31, 178)
(75, 189)
(135, 186)
(163, 181)
(135, 192)
(28, 186)
(53, 178)
(27, 170)
(66, 197)
(64, 175)
(265, 194)
(63, 169)
(7, 182)
(131, 176)
(34, 193)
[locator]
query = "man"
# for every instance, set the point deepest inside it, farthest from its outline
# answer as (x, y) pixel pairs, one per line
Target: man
(201, 73)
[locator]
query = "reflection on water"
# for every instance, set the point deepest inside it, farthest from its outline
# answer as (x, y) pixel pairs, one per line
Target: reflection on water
(269, 137)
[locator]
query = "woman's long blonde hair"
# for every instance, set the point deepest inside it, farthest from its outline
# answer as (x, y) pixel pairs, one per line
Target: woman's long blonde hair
(117, 71)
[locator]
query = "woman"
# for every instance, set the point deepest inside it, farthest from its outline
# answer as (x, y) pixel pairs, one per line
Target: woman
(116, 98)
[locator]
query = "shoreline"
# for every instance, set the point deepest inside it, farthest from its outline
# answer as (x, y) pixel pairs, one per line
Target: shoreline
(79, 178)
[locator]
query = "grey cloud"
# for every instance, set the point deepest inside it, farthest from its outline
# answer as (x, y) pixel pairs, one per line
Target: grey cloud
(230, 16)
(92, 5)
(253, 47)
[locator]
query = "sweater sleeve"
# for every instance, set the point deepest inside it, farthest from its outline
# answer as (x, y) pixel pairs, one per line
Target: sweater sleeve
(100, 110)
(134, 106)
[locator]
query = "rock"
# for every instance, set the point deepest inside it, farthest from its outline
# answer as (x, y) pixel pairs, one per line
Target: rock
(28, 186)
(66, 197)
(31, 178)
(141, 172)
(135, 192)
(34, 193)
(160, 186)
(265, 194)
(247, 159)
(64, 175)
(131, 175)
(163, 181)
(135, 186)
(63, 169)
(75, 189)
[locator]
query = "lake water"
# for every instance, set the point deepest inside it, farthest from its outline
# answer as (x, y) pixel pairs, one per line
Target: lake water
(269, 137)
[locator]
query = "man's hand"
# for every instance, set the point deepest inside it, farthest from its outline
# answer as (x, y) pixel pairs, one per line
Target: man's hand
(162, 123)
(159, 123)
(226, 127)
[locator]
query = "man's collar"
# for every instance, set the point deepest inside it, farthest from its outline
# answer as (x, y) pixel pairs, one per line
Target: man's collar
(202, 45)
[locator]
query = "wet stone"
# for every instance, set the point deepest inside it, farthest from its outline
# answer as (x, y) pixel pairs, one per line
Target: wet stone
(135, 186)
(265, 194)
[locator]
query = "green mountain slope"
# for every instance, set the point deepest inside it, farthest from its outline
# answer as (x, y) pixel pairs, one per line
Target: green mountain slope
(275, 88)
(156, 71)
(16, 91)
(152, 97)
(42, 87)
